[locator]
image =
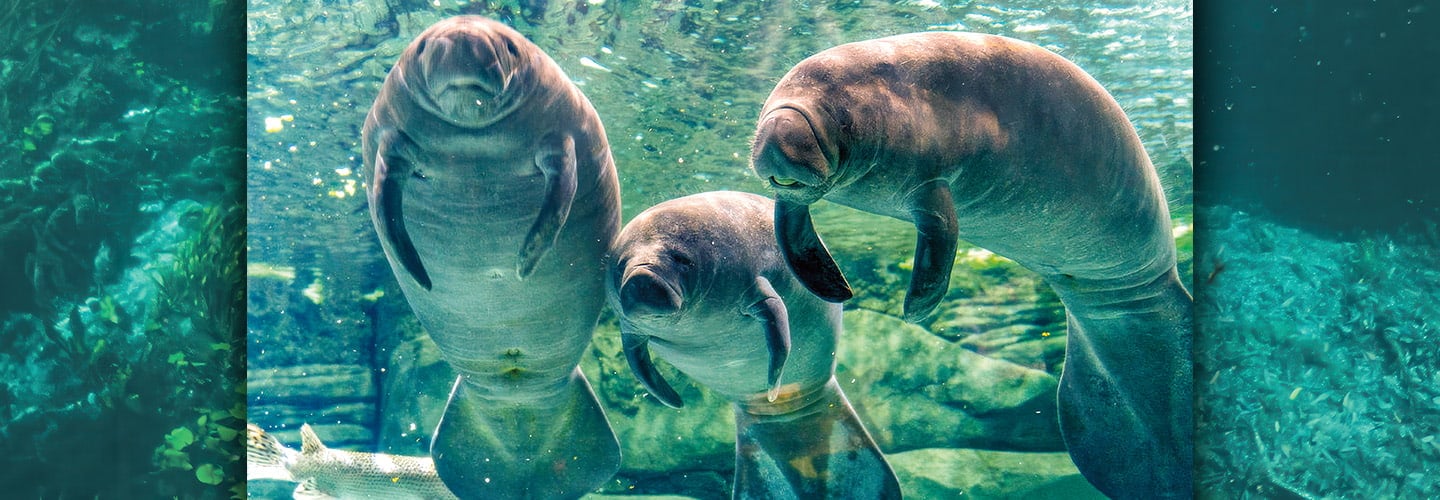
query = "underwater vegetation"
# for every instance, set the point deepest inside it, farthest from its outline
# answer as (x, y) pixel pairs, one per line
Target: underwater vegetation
(121, 246)
(1316, 373)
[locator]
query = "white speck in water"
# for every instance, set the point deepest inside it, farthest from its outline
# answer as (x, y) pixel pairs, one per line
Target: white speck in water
(590, 63)
(134, 113)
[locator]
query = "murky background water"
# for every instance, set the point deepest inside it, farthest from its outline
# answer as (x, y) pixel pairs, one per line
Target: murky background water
(678, 85)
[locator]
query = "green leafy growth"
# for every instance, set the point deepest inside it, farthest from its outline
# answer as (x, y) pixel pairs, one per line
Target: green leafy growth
(210, 474)
(179, 438)
(199, 318)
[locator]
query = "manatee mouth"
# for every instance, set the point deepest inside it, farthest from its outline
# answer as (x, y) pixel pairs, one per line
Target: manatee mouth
(477, 88)
(468, 90)
(786, 183)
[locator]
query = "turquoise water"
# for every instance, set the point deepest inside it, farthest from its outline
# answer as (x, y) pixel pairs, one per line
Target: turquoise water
(1315, 367)
(679, 85)
(121, 250)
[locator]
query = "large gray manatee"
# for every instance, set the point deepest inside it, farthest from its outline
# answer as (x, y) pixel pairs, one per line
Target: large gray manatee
(700, 280)
(494, 195)
(1020, 152)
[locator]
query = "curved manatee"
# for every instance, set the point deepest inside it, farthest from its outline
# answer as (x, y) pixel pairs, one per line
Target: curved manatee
(1019, 151)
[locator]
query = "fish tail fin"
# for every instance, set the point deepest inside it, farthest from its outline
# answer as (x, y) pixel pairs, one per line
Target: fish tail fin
(559, 447)
(819, 451)
(265, 457)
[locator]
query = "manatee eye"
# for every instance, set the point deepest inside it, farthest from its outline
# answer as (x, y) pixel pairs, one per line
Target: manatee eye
(785, 182)
(681, 259)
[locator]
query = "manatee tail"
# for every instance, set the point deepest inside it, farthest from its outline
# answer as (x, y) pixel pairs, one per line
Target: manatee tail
(558, 447)
(1126, 394)
(265, 457)
(820, 450)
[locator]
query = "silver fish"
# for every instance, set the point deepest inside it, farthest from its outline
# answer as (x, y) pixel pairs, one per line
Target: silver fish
(326, 474)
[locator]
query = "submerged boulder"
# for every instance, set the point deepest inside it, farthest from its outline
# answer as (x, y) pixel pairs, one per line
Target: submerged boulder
(964, 473)
(915, 390)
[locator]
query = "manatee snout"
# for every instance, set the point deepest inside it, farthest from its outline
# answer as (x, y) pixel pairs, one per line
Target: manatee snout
(644, 292)
(466, 65)
(788, 155)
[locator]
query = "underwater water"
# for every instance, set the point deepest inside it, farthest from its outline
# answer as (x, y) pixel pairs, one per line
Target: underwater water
(121, 235)
(1330, 127)
(963, 402)
(1317, 278)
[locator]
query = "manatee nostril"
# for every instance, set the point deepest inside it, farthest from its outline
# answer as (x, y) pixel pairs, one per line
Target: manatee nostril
(420, 48)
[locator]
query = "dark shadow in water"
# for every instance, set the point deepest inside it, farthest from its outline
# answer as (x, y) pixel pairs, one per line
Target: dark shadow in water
(1324, 115)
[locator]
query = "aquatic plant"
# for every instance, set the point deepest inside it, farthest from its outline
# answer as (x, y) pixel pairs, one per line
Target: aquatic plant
(105, 139)
(197, 324)
(30, 26)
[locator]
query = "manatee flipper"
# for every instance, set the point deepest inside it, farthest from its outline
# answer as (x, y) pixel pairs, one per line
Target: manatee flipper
(556, 160)
(771, 312)
(637, 354)
(558, 447)
(392, 171)
(936, 233)
(819, 451)
(806, 254)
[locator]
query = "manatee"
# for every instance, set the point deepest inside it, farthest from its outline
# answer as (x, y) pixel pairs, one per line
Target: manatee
(1021, 152)
(494, 195)
(700, 281)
